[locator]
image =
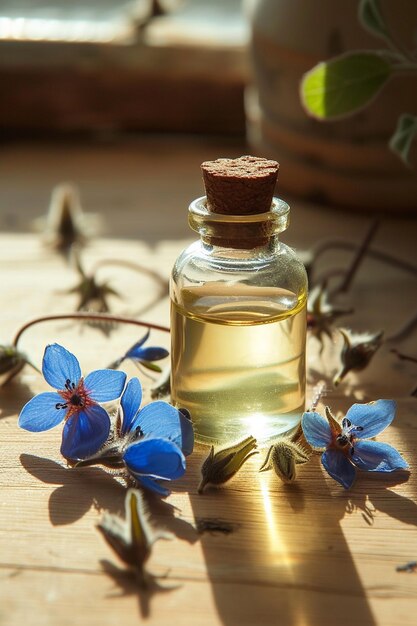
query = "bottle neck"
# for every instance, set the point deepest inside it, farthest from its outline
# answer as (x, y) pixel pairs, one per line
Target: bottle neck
(240, 232)
(240, 246)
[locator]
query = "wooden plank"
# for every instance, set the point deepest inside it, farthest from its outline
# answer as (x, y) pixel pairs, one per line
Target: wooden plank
(310, 554)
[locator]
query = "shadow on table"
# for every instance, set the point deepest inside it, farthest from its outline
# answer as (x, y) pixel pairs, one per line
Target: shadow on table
(80, 488)
(14, 396)
(288, 561)
(127, 585)
(378, 498)
(77, 490)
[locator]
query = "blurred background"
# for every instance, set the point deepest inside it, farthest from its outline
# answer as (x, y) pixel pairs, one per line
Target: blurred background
(126, 99)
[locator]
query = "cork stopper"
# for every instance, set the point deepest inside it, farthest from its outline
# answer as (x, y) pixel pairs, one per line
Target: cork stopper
(243, 186)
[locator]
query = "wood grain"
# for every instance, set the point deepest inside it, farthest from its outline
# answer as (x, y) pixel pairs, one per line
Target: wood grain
(310, 554)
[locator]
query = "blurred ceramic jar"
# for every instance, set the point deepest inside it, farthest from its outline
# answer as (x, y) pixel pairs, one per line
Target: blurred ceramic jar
(346, 162)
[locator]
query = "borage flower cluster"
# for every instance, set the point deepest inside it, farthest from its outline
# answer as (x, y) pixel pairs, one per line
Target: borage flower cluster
(149, 444)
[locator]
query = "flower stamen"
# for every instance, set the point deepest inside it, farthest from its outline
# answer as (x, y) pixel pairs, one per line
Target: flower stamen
(61, 405)
(76, 397)
(347, 436)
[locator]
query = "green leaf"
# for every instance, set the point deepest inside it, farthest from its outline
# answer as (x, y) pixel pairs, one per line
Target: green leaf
(370, 17)
(403, 137)
(150, 366)
(343, 85)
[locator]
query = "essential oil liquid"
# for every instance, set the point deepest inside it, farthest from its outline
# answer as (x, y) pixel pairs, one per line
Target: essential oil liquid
(239, 363)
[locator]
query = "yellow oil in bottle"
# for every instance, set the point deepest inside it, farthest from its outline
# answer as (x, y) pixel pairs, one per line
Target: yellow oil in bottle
(239, 361)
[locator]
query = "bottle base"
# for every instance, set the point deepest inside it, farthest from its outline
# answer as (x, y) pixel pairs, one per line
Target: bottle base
(265, 429)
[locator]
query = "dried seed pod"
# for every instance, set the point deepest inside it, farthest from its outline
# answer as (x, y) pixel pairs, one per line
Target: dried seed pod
(221, 466)
(283, 456)
(11, 362)
(133, 537)
(357, 352)
(65, 223)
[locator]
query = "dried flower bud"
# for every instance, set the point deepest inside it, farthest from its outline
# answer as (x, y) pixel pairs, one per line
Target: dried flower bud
(321, 315)
(214, 525)
(133, 537)
(283, 457)
(65, 222)
(11, 362)
(410, 567)
(357, 352)
(221, 466)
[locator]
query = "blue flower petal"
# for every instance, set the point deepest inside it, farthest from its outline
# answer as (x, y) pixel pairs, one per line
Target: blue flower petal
(147, 354)
(158, 458)
(40, 413)
(151, 484)
(137, 345)
(316, 429)
(374, 417)
(160, 419)
(60, 365)
(339, 467)
(130, 401)
(85, 433)
(105, 385)
(374, 456)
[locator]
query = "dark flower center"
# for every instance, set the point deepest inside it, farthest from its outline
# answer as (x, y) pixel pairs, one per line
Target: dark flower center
(77, 400)
(346, 439)
(76, 397)
(343, 440)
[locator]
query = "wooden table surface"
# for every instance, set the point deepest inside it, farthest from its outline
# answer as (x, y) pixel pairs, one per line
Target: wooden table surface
(301, 555)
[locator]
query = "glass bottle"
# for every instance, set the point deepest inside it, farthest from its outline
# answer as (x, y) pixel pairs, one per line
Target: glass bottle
(238, 326)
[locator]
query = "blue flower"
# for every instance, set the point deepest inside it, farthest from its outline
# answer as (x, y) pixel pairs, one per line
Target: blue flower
(87, 425)
(345, 446)
(157, 438)
(150, 443)
(143, 356)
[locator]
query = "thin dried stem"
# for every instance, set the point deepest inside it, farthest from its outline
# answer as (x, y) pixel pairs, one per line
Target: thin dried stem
(404, 357)
(344, 244)
(328, 275)
(90, 317)
(357, 259)
(134, 267)
(404, 330)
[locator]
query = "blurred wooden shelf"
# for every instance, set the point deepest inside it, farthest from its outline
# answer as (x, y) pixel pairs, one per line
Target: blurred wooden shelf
(162, 78)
